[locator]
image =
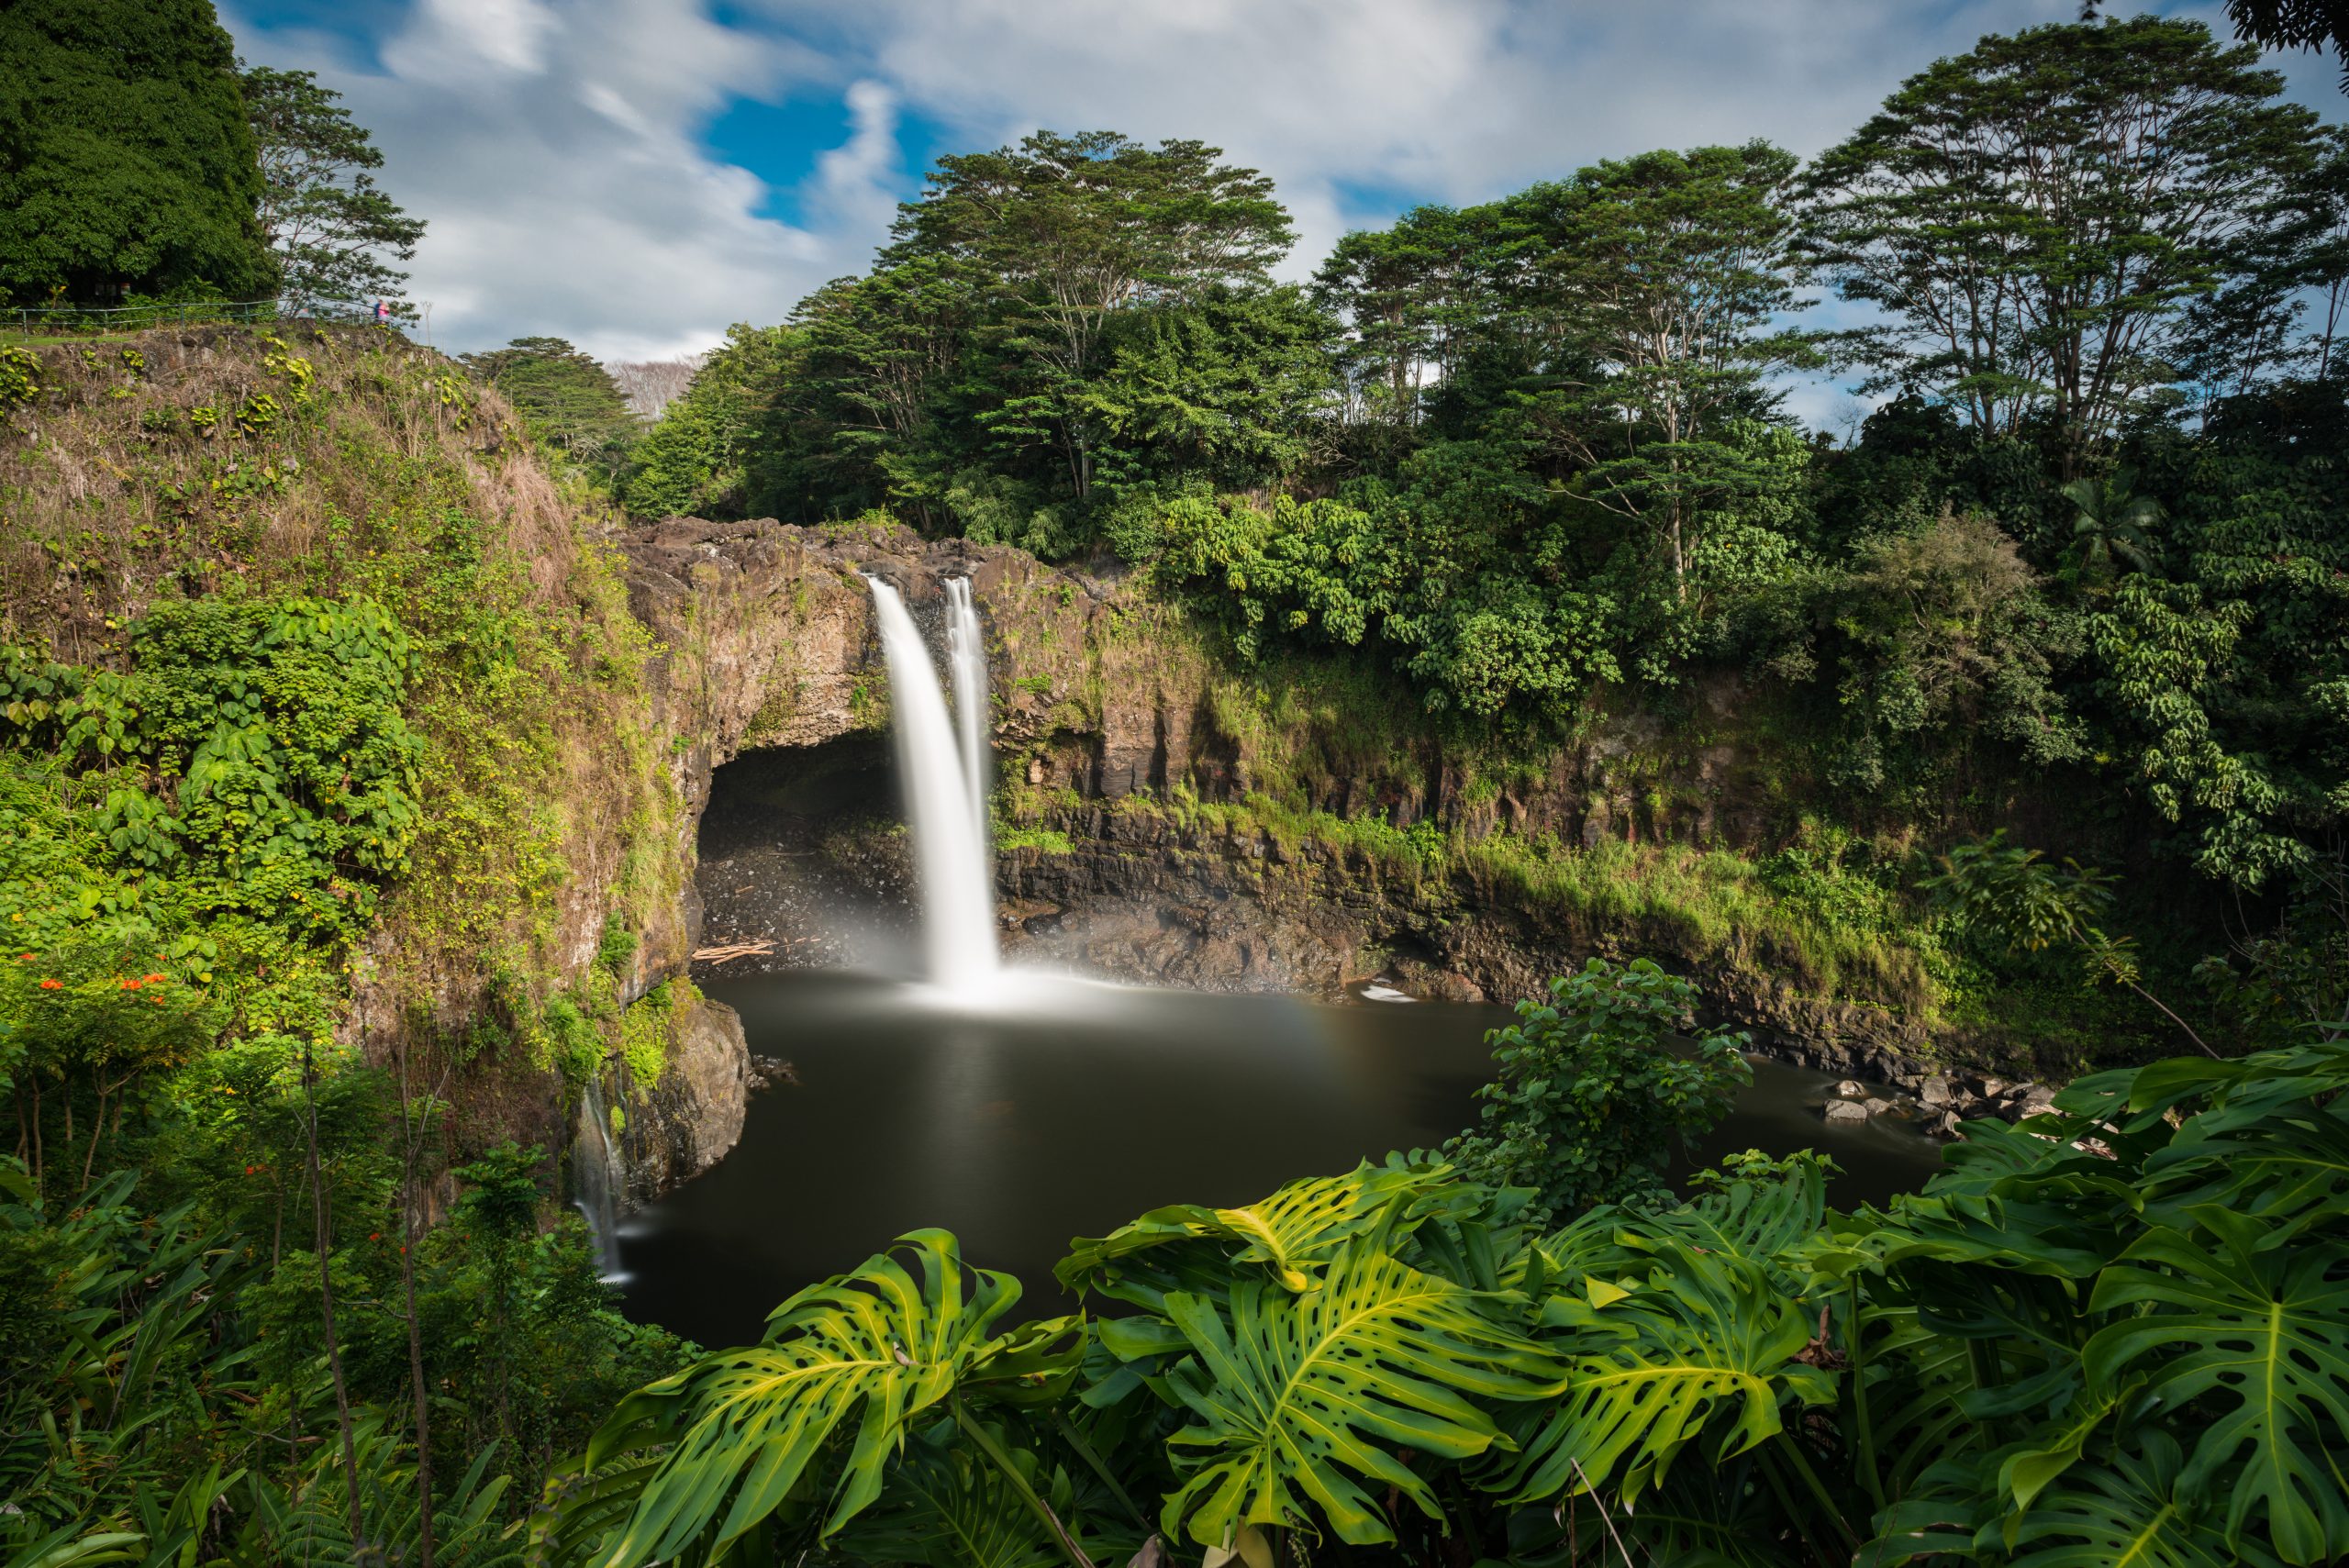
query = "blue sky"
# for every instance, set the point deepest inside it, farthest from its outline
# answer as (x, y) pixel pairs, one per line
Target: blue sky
(635, 175)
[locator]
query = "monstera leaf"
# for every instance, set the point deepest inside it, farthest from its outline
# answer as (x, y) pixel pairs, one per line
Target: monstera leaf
(945, 1506)
(2260, 1337)
(1286, 1237)
(866, 1352)
(2138, 1513)
(1705, 1344)
(1297, 1399)
(2288, 1169)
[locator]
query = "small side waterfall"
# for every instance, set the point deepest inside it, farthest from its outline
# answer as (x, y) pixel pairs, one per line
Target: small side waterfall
(596, 1177)
(945, 798)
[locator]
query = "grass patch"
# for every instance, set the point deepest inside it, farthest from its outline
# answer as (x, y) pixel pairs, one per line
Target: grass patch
(1050, 840)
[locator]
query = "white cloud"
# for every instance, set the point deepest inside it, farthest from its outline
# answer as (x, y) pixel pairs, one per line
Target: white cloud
(558, 162)
(459, 36)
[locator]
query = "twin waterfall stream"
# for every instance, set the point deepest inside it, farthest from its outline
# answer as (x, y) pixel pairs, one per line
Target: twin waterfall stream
(942, 767)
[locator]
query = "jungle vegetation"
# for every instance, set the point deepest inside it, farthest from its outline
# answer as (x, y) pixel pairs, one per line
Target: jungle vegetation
(267, 1297)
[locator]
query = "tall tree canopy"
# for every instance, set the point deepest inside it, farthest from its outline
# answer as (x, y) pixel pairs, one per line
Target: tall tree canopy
(125, 162)
(694, 459)
(335, 232)
(1064, 231)
(2035, 216)
(1669, 272)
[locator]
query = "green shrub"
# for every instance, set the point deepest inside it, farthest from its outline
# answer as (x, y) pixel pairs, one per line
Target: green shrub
(1594, 1097)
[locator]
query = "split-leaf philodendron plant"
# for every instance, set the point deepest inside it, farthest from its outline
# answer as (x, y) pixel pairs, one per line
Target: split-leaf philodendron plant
(2117, 1333)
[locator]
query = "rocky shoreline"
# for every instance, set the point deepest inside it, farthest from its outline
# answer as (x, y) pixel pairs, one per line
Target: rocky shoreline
(1941, 1102)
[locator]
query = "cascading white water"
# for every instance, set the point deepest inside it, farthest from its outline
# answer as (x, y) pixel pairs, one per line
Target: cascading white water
(945, 806)
(966, 662)
(596, 1177)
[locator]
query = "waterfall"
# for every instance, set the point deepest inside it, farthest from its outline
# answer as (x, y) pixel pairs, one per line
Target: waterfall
(945, 804)
(596, 1176)
(966, 661)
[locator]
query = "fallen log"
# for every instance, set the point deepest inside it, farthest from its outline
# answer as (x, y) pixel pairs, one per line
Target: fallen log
(758, 948)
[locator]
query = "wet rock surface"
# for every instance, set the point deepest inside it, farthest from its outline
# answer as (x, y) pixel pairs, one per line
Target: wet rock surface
(1944, 1102)
(693, 1117)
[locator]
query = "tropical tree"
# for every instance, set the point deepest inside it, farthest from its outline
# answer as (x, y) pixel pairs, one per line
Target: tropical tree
(564, 397)
(2294, 24)
(695, 460)
(1067, 230)
(335, 233)
(874, 365)
(2004, 897)
(1229, 388)
(2111, 524)
(125, 162)
(2034, 218)
(2326, 191)
(1417, 298)
(1592, 1101)
(1670, 272)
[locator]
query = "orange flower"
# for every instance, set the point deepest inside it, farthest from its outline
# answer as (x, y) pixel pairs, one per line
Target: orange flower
(154, 979)
(130, 985)
(53, 985)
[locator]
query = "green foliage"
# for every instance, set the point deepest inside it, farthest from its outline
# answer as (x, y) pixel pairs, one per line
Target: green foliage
(1669, 274)
(2227, 687)
(158, 1360)
(1934, 640)
(257, 748)
(1592, 1097)
(566, 400)
(694, 460)
(649, 1029)
(2167, 155)
(125, 157)
(875, 1347)
(1223, 388)
(1050, 840)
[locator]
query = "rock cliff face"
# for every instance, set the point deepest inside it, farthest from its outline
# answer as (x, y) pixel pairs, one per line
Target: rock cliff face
(1107, 707)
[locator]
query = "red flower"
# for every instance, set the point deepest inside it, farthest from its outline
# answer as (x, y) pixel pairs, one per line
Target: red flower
(130, 985)
(24, 958)
(53, 985)
(154, 980)
(375, 1235)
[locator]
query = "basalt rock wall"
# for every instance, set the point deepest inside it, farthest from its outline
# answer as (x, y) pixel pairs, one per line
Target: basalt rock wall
(1108, 703)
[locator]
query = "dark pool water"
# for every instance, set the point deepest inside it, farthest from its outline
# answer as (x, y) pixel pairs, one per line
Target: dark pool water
(1073, 1107)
